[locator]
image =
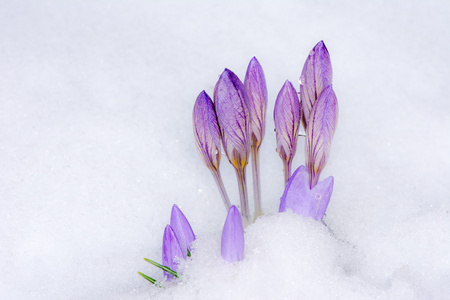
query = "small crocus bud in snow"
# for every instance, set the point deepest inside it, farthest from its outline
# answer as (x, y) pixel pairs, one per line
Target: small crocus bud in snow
(286, 115)
(303, 200)
(317, 75)
(231, 103)
(319, 133)
(182, 229)
(207, 137)
(232, 246)
(255, 84)
(171, 251)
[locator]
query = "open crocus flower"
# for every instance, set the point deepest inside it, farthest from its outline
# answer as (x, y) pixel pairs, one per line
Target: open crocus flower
(319, 133)
(207, 137)
(171, 251)
(231, 103)
(317, 75)
(232, 246)
(182, 229)
(303, 200)
(286, 115)
(255, 84)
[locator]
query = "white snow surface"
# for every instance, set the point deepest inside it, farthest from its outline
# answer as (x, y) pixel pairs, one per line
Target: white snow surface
(97, 145)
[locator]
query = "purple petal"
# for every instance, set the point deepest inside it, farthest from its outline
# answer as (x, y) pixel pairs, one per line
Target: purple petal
(232, 248)
(317, 74)
(255, 84)
(230, 100)
(171, 249)
(206, 131)
(319, 133)
(286, 115)
(304, 201)
(182, 229)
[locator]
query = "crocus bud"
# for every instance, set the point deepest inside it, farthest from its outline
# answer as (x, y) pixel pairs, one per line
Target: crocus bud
(317, 75)
(207, 137)
(182, 229)
(171, 249)
(255, 83)
(303, 200)
(319, 133)
(232, 248)
(206, 131)
(286, 115)
(230, 100)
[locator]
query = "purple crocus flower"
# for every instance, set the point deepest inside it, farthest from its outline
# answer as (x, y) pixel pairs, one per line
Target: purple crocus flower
(207, 137)
(255, 84)
(182, 229)
(319, 133)
(231, 103)
(303, 200)
(317, 75)
(286, 115)
(171, 249)
(232, 246)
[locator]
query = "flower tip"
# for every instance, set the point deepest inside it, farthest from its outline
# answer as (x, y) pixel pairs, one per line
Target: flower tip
(232, 244)
(182, 229)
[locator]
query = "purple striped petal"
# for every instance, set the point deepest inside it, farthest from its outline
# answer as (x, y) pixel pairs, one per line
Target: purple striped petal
(319, 133)
(171, 251)
(317, 74)
(304, 201)
(286, 115)
(232, 247)
(255, 84)
(182, 229)
(206, 131)
(231, 103)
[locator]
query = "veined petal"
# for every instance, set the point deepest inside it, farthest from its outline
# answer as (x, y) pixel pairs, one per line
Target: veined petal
(206, 131)
(317, 74)
(304, 201)
(182, 229)
(231, 103)
(319, 133)
(255, 84)
(232, 246)
(286, 115)
(171, 249)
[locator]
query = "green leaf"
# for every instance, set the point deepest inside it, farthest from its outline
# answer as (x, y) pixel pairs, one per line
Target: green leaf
(147, 277)
(164, 268)
(188, 253)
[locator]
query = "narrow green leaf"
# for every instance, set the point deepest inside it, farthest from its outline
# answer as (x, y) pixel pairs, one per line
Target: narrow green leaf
(188, 253)
(147, 277)
(164, 268)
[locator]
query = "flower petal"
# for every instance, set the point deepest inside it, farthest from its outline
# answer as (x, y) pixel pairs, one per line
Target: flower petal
(182, 229)
(255, 84)
(171, 249)
(206, 131)
(319, 133)
(317, 74)
(304, 201)
(232, 246)
(286, 115)
(231, 103)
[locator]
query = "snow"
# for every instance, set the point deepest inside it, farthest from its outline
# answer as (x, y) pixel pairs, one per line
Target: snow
(97, 145)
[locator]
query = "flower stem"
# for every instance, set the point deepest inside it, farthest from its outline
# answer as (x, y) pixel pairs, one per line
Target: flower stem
(221, 187)
(287, 170)
(240, 173)
(256, 182)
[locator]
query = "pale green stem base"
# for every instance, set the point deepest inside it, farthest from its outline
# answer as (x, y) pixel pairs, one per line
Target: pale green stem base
(240, 173)
(256, 183)
(221, 187)
(287, 170)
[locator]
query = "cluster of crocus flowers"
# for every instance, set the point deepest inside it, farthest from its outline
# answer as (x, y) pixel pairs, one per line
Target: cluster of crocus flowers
(177, 239)
(237, 119)
(304, 194)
